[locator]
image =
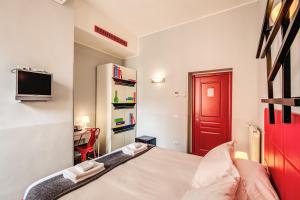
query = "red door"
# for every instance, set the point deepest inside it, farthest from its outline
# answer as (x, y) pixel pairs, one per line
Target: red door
(211, 116)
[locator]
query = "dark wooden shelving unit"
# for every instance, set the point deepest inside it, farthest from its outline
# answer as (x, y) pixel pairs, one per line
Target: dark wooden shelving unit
(130, 83)
(289, 29)
(123, 105)
(123, 128)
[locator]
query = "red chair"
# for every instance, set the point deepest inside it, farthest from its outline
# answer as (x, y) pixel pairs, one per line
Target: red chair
(89, 147)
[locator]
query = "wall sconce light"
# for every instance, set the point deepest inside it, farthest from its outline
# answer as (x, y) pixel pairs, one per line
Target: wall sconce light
(241, 155)
(158, 80)
(85, 120)
(276, 10)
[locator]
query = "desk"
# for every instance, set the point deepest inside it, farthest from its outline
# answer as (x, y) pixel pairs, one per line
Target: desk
(78, 135)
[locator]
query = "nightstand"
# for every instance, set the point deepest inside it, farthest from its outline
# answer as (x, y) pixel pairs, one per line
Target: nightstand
(146, 139)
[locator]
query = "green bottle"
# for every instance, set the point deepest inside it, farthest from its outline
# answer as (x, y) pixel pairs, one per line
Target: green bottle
(116, 99)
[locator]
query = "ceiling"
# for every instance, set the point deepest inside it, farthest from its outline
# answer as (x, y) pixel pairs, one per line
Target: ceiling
(143, 17)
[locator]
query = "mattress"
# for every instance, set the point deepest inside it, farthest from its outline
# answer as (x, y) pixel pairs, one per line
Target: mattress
(157, 174)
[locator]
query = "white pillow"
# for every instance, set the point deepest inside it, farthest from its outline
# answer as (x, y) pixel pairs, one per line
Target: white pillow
(215, 165)
(224, 189)
(255, 183)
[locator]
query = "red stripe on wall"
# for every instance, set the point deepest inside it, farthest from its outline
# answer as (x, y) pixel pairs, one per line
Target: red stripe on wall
(111, 36)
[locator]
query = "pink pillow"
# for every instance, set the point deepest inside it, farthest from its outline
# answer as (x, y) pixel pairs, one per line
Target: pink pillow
(254, 183)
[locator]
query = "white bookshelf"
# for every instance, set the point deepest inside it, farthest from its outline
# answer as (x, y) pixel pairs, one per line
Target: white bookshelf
(106, 113)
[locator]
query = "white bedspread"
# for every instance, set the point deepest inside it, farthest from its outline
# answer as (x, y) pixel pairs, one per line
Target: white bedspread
(156, 175)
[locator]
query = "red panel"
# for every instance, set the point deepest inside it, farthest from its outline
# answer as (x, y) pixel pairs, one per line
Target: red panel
(282, 155)
(292, 182)
(211, 117)
(278, 171)
(292, 141)
(109, 35)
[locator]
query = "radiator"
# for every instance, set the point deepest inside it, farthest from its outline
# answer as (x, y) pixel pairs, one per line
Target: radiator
(254, 143)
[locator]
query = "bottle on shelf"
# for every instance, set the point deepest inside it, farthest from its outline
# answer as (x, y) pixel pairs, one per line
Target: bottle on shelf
(116, 99)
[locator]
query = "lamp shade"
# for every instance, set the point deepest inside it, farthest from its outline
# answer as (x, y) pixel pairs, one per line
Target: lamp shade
(241, 155)
(85, 119)
(277, 8)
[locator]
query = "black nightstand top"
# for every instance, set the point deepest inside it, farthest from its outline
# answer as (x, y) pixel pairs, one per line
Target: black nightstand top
(146, 138)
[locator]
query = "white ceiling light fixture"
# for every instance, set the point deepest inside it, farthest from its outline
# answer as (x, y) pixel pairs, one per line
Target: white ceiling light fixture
(277, 8)
(60, 1)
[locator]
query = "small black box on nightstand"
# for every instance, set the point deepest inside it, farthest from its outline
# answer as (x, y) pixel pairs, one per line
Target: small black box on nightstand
(146, 139)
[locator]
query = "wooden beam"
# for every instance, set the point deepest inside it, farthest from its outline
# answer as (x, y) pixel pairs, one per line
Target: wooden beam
(270, 89)
(282, 13)
(294, 101)
(287, 43)
(265, 26)
(286, 74)
(270, 83)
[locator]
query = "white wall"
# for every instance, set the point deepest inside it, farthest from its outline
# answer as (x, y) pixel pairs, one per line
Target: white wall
(87, 16)
(35, 138)
(85, 62)
(226, 40)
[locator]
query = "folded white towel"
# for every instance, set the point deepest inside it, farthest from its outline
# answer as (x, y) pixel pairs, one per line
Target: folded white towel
(127, 150)
(76, 176)
(85, 166)
(136, 145)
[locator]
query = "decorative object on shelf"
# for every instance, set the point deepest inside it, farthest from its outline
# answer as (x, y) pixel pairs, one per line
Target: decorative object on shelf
(289, 28)
(123, 105)
(117, 72)
(129, 100)
(119, 122)
(85, 120)
(134, 97)
(123, 128)
(116, 98)
(132, 119)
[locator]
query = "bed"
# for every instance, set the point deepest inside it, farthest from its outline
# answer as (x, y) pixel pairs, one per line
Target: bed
(157, 174)
(153, 175)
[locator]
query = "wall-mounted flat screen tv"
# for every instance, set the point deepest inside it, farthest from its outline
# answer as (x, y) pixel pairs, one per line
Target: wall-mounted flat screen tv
(33, 86)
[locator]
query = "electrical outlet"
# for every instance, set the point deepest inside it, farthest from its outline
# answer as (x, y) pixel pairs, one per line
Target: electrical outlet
(175, 116)
(179, 94)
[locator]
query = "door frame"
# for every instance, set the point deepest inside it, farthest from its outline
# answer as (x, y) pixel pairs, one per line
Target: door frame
(190, 102)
